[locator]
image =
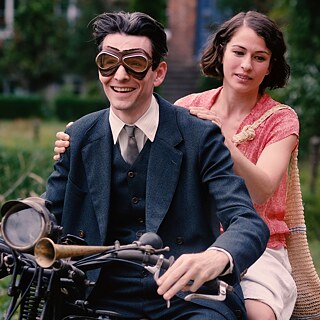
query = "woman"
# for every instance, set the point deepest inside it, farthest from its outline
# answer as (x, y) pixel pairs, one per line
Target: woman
(247, 54)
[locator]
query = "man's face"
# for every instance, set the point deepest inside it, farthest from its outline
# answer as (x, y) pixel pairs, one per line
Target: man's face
(129, 95)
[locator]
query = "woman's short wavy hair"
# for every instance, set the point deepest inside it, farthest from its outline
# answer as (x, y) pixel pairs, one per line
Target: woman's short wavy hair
(136, 24)
(212, 57)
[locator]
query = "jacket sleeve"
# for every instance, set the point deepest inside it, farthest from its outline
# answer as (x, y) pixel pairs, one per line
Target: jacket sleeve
(245, 234)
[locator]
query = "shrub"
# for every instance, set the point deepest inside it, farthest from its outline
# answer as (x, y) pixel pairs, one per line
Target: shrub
(70, 108)
(13, 107)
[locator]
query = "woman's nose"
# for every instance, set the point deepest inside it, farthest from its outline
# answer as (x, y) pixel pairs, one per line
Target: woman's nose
(246, 64)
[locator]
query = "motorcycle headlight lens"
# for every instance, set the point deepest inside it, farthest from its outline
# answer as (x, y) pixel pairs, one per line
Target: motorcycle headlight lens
(25, 222)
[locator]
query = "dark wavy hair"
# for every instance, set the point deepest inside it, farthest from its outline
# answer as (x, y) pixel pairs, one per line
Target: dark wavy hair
(137, 24)
(211, 60)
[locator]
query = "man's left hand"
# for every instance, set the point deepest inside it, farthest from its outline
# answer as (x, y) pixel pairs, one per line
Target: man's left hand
(190, 271)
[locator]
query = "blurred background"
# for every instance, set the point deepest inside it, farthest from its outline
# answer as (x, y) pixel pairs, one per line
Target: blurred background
(48, 78)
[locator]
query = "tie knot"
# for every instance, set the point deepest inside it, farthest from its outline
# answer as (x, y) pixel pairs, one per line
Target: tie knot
(130, 130)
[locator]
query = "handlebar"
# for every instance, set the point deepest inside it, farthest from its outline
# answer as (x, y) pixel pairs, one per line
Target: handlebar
(139, 253)
(146, 257)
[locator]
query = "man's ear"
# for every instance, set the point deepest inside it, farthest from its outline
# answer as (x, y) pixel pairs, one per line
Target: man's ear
(161, 72)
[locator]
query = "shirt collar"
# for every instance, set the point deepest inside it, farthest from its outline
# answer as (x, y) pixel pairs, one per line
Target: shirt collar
(148, 123)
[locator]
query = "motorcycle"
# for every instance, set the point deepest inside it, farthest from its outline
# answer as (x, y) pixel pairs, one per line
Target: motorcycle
(49, 271)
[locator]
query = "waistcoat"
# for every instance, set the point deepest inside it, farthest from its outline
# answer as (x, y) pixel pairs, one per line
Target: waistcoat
(128, 197)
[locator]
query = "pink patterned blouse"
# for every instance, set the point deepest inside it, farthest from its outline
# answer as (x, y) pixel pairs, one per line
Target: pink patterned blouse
(278, 126)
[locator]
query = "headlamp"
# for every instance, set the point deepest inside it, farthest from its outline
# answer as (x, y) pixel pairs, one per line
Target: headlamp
(24, 222)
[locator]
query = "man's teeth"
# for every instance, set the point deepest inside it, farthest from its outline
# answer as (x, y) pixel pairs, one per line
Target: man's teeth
(123, 89)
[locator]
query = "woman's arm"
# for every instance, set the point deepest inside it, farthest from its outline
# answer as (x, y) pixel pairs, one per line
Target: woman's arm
(263, 178)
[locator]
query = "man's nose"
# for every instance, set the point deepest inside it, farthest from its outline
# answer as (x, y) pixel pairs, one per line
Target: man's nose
(121, 73)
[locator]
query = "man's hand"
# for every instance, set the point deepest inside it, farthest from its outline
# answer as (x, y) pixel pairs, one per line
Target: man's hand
(190, 271)
(62, 143)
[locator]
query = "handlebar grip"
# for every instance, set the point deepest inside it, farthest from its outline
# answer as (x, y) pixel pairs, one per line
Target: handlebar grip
(5, 259)
(214, 285)
(144, 258)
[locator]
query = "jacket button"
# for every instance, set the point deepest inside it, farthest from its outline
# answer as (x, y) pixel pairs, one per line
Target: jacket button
(131, 174)
(135, 200)
(82, 234)
(179, 240)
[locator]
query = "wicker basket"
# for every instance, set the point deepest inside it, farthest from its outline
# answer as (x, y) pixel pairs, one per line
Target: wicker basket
(303, 270)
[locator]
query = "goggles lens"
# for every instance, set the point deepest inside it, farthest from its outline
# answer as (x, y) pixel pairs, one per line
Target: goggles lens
(136, 62)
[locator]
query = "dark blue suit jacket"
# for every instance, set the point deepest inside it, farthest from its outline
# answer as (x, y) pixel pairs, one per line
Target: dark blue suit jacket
(190, 182)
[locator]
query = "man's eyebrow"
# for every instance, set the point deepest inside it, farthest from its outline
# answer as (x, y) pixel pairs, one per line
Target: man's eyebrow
(116, 49)
(109, 47)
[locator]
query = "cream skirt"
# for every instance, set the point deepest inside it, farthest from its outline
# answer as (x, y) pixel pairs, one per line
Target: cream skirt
(269, 280)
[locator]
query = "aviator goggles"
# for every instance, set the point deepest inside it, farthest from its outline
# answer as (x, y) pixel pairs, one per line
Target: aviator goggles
(136, 62)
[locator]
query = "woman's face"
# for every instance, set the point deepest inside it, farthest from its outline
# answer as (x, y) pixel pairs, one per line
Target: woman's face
(246, 61)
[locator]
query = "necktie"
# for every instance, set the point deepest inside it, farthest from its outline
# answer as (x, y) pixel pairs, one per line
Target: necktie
(132, 151)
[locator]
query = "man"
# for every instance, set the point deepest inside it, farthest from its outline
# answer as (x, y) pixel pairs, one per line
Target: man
(181, 185)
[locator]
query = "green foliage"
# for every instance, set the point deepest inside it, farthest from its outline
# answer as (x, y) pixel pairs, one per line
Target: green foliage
(235, 6)
(70, 108)
(46, 45)
(34, 58)
(26, 151)
(4, 299)
(155, 9)
(81, 49)
(311, 199)
(64, 107)
(12, 107)
(304, 55)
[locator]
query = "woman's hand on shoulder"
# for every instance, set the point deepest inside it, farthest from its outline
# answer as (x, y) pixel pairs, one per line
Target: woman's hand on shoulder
(206, 114)
(62, 143)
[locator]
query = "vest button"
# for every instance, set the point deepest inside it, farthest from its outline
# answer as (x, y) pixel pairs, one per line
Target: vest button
(82, 234)
(141, 220)
(131, 174)
(179, 240)
(135, 200)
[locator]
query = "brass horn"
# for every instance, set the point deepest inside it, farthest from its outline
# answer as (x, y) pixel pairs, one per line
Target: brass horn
(46, 252)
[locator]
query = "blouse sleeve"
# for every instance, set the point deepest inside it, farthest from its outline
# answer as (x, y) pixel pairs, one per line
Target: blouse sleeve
(281, 125)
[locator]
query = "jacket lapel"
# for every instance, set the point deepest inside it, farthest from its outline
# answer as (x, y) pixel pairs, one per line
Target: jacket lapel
(164, 167)
(163, 170)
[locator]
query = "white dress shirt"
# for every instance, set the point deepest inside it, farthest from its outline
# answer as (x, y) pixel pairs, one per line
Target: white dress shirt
(146, 127)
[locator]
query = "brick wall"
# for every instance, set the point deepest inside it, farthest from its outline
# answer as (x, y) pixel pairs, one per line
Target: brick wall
(182, 26)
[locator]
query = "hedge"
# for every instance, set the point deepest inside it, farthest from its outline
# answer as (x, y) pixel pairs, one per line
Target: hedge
(72, 108)
(12, 107)
(65, 108)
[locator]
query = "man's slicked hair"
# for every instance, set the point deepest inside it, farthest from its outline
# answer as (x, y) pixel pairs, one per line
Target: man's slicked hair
(136, 24)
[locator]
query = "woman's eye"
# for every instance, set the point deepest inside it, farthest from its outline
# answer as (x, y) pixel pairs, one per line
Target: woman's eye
(259, 58)
(238, 53)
